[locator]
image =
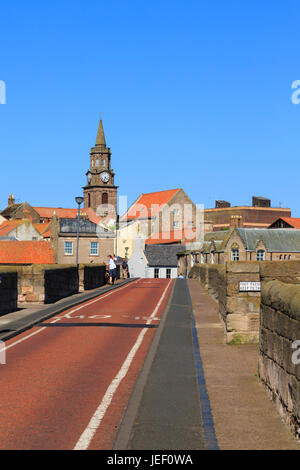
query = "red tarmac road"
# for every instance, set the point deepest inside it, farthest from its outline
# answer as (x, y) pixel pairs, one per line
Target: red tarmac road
(66, 385)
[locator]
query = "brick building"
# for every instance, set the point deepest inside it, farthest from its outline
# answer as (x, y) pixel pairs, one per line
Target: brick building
(259, 215)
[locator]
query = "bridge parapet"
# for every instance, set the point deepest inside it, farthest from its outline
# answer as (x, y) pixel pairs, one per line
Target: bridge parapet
(279, 349)
(239, 308)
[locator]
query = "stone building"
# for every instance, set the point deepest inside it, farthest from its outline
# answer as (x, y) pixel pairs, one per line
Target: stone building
(244, 244)
(100, 192)
(95, 242)
(163, 212)
(259, 215)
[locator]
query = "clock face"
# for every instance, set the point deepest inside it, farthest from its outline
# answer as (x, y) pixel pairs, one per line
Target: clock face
(104, 177)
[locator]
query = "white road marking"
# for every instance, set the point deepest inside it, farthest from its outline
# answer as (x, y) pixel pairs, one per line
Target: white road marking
(31, 334)
(88, 434)
(64, 316)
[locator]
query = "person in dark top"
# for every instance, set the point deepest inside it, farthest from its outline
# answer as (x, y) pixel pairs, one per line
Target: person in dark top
(124, 268)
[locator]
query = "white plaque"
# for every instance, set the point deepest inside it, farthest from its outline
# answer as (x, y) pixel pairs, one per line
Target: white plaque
(249, 286)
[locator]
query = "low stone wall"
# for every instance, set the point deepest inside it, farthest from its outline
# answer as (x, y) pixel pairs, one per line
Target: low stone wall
(238, 311)
(242, 309)
(8, 291)
(279, 367)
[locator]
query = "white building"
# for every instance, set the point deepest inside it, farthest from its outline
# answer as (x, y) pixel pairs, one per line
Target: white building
(154, 261)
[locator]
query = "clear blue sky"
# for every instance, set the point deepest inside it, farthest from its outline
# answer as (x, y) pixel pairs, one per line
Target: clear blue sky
(194, 94)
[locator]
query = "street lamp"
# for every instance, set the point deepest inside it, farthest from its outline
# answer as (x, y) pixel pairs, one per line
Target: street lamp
(79, 200)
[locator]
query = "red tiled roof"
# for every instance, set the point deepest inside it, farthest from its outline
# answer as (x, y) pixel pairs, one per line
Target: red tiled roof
(66, 213)
(48, 212)
(9, 225)
(41, 228)
(173, 236)
(142, 207)
(27, 252)
(293, 221)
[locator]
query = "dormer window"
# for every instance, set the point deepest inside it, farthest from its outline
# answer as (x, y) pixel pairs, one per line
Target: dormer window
(235, 254)
(260, 255)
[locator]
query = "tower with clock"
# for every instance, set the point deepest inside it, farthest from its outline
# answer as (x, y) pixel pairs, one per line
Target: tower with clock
(100, 192)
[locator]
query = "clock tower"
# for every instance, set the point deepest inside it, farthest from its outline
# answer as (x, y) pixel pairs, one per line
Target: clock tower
(100, 192)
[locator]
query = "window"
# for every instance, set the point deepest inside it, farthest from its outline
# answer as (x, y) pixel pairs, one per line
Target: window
(156, 273)
(68, 248)
(104, 198)
(103, 162)
(89, 200)
(280, 257)
(260, 255)
(94, 249)
(168, 273)
(235, 255)
(97, 161)
(175, 224)
(290, 256)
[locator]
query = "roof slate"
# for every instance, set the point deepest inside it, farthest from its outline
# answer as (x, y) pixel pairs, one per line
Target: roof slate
(276, 240)
(163, 255)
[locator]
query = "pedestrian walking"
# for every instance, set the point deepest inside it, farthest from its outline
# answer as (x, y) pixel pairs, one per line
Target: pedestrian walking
(112, 269)
(124, 268)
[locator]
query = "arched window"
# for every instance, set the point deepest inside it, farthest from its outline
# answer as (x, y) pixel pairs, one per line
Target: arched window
(260, 255)
(97, 161)
(104, 198)
(89, 200)
(235, 254)
(103, 162)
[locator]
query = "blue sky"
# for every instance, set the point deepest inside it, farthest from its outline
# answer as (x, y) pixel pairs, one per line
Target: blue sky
(194, 94)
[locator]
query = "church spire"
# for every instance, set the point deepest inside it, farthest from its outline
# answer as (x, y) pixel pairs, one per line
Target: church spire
(100, 140)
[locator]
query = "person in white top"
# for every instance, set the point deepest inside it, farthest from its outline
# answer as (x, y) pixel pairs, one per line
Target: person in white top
(112, 269)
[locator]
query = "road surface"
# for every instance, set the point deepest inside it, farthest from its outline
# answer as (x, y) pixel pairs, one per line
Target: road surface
(66, 382)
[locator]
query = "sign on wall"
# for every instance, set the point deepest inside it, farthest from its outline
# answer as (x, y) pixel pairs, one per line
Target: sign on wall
(249, 286)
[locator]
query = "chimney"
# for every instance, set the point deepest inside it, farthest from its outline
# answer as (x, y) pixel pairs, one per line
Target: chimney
(261, 202)
(222, 204)
(236, 221)
(11, 200)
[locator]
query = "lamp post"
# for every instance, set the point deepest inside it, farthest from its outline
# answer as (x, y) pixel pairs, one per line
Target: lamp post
(79, 201)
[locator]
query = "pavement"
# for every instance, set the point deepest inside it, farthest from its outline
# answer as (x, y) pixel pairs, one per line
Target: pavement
(244, 417)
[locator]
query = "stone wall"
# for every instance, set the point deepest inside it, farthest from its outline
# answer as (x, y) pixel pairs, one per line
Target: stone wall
(8, 291)
(280, 327)
(240, 311)
(49, 283)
